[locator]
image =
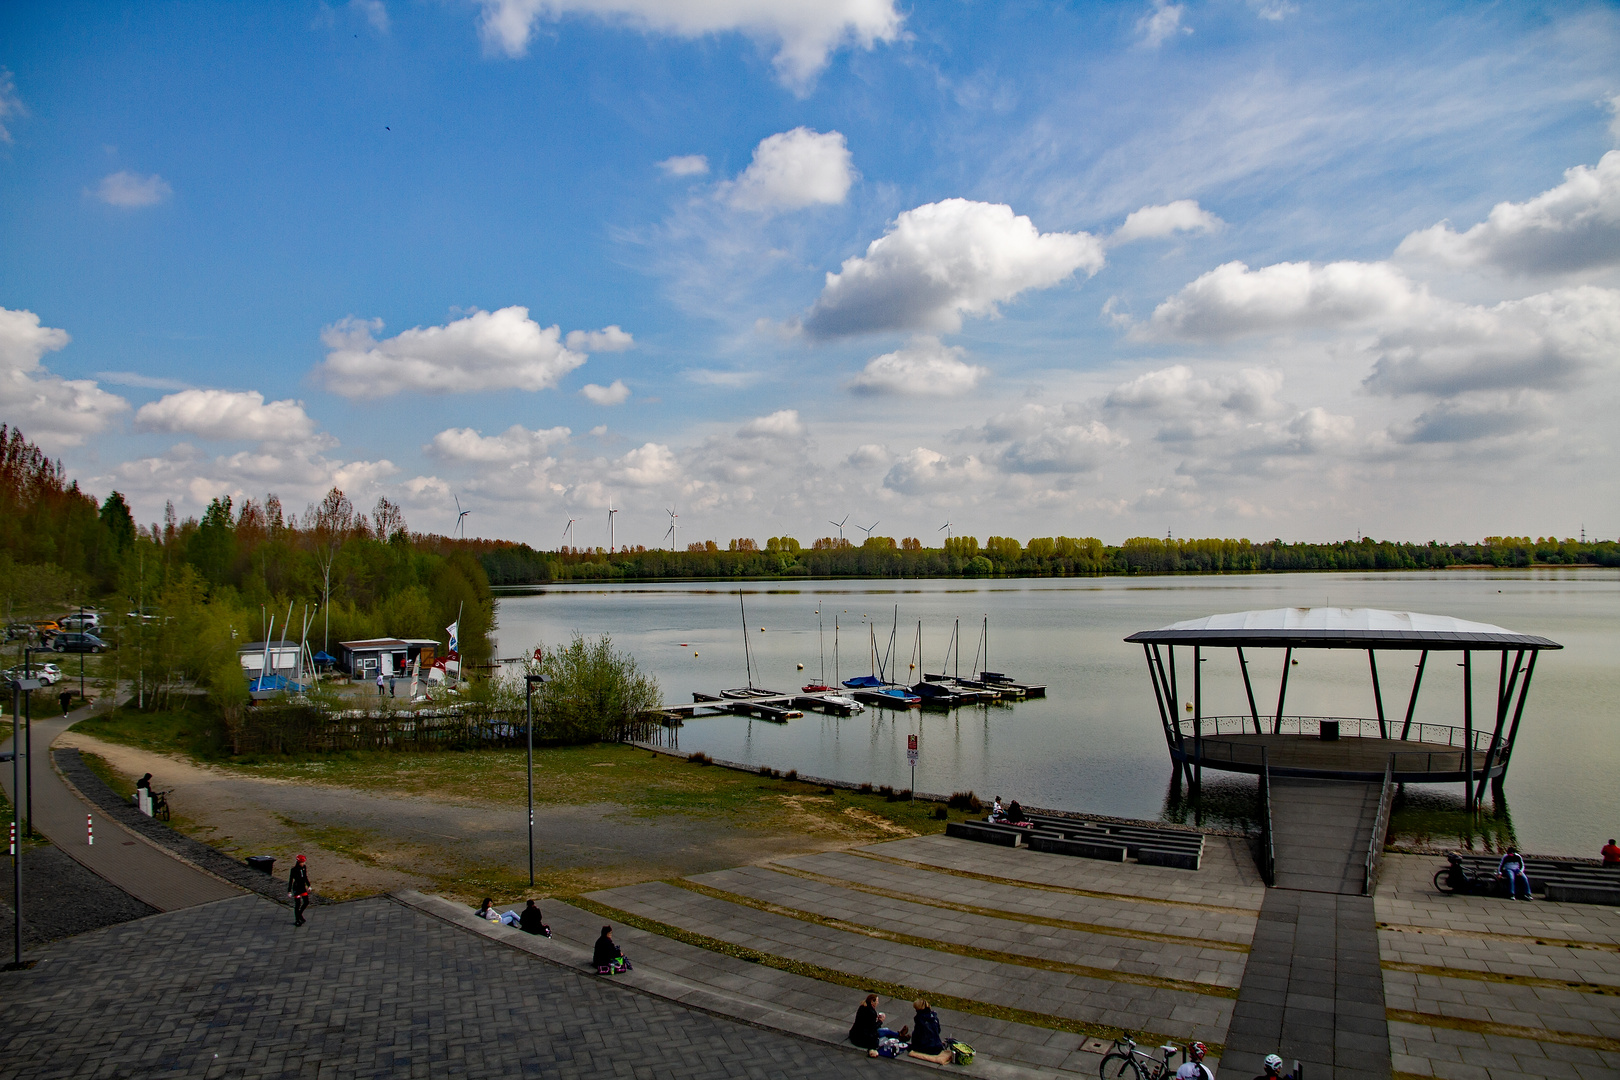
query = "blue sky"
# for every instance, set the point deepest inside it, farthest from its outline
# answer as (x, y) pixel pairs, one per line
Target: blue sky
(1233, 268)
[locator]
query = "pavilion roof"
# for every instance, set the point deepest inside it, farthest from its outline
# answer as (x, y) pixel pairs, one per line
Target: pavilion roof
(1340, 628)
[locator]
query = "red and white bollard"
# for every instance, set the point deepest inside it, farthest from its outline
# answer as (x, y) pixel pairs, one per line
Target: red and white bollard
(12, 829)
(90, 830)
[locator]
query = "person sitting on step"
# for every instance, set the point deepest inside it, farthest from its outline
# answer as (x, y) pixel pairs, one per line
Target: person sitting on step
(487, 911)
(1015, 814)
(868, 1027)
(1511, 870)
(530, 923)
(926, 1041)
(1611, 854)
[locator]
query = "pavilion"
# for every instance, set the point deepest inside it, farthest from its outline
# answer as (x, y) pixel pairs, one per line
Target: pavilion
(1336, 747)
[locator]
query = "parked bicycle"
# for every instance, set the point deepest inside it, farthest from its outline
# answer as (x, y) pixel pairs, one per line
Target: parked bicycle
(160, 804)
(1458, 878)
(1126, 1062)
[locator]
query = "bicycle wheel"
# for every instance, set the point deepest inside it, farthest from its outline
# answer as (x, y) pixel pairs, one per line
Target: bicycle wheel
(1119, 1067)
(1442, 880)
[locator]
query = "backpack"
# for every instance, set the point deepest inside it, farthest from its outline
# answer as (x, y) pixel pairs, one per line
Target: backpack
(961, 1052)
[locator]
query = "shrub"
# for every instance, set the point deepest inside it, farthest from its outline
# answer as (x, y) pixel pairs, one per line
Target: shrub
(791, 774)
(766, 770)
(887, 792)
(902, 796)
(698, 757)
(865, 789)
(941, 814)
(592, 692)
(964, 800)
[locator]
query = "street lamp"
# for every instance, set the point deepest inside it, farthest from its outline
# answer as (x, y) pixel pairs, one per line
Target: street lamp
(19, 690)
(529, 682)
(28, 729)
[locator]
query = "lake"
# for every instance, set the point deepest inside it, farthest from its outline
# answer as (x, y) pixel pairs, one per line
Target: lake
(1094, 743)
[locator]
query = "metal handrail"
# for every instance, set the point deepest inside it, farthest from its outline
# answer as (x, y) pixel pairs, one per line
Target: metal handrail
(1268, 847)
(1350, 727)
(1380, 833)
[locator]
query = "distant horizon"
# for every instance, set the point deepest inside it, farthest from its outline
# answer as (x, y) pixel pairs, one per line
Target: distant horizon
(1257, 268)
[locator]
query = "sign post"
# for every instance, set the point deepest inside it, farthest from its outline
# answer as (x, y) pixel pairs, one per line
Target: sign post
(911, 756)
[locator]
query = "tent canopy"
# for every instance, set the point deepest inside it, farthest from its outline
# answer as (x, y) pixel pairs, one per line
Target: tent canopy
(1340, 628)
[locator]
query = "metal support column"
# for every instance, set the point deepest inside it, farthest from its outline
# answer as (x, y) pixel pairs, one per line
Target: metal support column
(1198, 716)
(1411, 706)
(1158, 699)
(1518, 714)
(1505, 685)
(1282, 691)
(1468, 730)
(1378, 696)
(1248, 688)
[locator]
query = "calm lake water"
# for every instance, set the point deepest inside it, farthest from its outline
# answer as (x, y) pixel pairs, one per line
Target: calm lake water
(1094, 743)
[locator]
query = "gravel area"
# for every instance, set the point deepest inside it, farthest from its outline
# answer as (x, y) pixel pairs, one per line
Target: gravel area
(60, 898)
(93, 788)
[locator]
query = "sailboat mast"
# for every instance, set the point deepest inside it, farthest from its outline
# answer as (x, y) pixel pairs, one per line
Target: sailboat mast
(835, 649)
(956, 635)
(748, 658)
(821, 636)
(986, 643)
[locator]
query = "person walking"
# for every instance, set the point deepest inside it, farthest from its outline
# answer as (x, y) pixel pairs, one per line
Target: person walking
(66, 698)
(379, 682)
(391, 686)
(298, 890)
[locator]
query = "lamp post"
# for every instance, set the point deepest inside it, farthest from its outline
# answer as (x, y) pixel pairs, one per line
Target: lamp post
(528, 704)
(19, 691)
(28, 732)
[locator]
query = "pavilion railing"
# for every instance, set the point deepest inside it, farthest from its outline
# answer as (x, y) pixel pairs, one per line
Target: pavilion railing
(1380, 831)
(1217, 749)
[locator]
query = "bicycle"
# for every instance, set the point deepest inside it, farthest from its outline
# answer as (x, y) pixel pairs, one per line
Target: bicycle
(160, 804)
(1126, 1062)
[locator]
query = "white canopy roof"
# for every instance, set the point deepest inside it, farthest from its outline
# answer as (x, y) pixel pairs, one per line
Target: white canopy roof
(1331, 627)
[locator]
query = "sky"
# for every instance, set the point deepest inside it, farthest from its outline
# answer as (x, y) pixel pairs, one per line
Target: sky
(1248, 268)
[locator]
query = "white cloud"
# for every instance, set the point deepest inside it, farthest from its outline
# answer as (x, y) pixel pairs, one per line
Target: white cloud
(1050, 439)
(1574, 226)
(226, 414)
(867, 455)
(685, 165)
(127, 190)
(143, 382)
(1172, 391)
(1162, 23)
(1549, 340)
(792, 170)
(487, 350)
(1614, 121)
(375, 11)
(728, 380)
(1153, 222)
(515, 445)
(1476, 417)
(1273, 10)
(615, 394)
(944, 260)
(805, 32)
(648, 465)
(11, 106)
(924, 368)
(50, 410)
(607, 339)
(1232, 300)
(928, 472)
(782, 424)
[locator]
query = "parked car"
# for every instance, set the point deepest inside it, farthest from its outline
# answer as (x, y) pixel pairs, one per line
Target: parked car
(80, 643)
(88, 621)
(49, 672)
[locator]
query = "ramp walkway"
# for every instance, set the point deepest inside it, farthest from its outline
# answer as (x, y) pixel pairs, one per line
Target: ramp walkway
(128, 860)
(1313, 989)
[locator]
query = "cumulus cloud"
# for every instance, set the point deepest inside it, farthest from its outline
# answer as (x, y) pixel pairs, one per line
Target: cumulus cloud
(1153, 222)
(685, 165)
(929, 472)
(867, 455)
(1050, 439)
(487, 350)
(607, 339)
(615, 394)
(140, 381)
(944, 260)
(1251, 392)
(51, 410)
(129, 191)
(727, 380)
(648, 465)
(226, 414)
(1161, 24)
(805, 32)
(11, 106)
(294, 471)
(1476, 417)
(782, 424)
(1549, 340)
(1273, 10)
(1574, 226)
(924, 368)
(516, 444)
(1232, 300)
(792, 170)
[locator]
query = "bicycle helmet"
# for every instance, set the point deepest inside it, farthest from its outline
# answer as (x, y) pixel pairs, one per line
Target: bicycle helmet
(1198, 1049)
(1273, 1063)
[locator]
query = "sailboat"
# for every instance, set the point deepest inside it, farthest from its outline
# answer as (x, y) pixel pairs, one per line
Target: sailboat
(877, 688)
(822, 689)
(749, 691)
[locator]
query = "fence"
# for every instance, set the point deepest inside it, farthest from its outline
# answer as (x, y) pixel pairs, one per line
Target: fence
(297, 728)
(1380, 833)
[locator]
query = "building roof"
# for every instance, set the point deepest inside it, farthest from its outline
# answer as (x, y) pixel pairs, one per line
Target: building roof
(1339, 628)
(373, 643)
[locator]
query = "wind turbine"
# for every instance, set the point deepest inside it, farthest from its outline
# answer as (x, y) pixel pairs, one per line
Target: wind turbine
(568, 531)
(946, 529)
(839, 525)
(867, 529)
(673, 535)
(611, 511)
(461, 517)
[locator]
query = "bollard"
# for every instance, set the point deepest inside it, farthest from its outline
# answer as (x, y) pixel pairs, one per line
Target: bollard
(12, 829)
(90, 830)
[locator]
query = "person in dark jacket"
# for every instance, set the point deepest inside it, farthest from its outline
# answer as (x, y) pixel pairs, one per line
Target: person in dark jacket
(606, 956)
(926, 1041)
(66, 698)
(298, 890)
(530, 923)
(868, 1027)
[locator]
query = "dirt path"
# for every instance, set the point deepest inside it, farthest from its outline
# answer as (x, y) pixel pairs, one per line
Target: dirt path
(362, 842)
